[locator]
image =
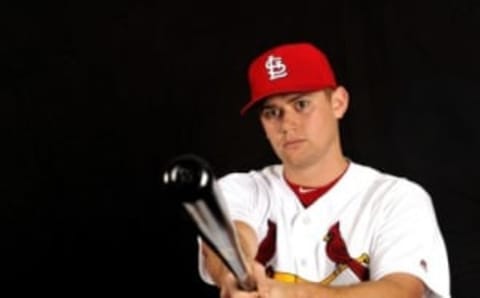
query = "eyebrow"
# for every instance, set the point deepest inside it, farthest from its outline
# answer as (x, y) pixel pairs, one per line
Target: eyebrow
(293, 98)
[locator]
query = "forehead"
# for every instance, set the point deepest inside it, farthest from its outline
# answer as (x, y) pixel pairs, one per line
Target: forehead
(285, 98)
(282, 98)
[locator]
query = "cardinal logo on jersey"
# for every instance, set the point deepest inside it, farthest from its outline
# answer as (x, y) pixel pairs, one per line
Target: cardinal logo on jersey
(337, 252)
(275, 67)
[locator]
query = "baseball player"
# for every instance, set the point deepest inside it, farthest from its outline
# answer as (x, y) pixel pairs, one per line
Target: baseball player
(319, 224)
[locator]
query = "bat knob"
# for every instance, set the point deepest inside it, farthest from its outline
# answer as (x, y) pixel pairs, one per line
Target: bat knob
(187, 176)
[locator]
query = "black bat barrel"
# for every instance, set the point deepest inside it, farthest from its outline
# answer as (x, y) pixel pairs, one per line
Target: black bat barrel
(190, 178)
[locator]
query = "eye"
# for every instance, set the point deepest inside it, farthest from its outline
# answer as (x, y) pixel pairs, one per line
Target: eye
(301, 104)
(271, 113)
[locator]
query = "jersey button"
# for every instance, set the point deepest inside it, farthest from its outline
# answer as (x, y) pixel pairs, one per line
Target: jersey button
(306, 220)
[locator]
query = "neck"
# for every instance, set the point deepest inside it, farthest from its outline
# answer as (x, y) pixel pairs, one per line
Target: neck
(317, 174)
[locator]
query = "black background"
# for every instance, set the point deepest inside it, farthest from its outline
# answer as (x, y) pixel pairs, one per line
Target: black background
(97, 97)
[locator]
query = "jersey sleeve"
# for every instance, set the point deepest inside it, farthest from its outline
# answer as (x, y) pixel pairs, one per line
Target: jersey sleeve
(409, 239)
(246, 199)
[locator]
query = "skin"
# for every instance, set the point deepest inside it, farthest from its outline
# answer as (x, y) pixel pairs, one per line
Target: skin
(302, 129)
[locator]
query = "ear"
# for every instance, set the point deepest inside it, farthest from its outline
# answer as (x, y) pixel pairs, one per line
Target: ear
(339, 101)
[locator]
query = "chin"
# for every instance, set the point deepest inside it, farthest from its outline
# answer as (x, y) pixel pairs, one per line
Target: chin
(294, 162)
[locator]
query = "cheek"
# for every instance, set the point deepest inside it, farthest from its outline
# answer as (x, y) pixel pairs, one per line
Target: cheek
(271, 133)
(320, 124)
(268, 129)
(272, 136)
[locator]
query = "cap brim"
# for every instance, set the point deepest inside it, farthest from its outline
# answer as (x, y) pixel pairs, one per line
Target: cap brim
(248, 107)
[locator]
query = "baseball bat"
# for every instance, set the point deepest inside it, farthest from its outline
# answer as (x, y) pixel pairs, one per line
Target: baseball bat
(191, 179)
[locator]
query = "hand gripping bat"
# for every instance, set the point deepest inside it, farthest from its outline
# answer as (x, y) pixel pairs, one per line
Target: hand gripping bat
(191, 179)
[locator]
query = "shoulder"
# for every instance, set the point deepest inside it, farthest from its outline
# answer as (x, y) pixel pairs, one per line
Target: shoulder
(389, 186)
(375, 175)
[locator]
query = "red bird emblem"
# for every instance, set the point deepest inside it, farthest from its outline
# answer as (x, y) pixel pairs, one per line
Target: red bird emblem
(337, 252)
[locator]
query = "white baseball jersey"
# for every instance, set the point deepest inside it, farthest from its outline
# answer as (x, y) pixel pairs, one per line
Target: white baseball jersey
(369, 224)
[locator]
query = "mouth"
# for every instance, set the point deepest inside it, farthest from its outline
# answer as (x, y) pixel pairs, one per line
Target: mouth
(291, 144)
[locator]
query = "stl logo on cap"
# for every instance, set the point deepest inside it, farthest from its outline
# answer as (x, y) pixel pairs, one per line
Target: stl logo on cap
(276, 68)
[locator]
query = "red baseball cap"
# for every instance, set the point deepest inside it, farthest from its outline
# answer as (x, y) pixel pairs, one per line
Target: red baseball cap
(294, 67)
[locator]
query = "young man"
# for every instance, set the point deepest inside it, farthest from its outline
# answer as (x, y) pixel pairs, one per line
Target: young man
(320, 224)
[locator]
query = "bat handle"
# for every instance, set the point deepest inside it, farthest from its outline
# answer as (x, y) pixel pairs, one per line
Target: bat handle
(248, 283)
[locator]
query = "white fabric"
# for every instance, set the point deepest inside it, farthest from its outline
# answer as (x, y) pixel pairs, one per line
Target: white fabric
(390, 218)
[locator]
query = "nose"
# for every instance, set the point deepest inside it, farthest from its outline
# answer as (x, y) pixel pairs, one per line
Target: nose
(289, 121)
